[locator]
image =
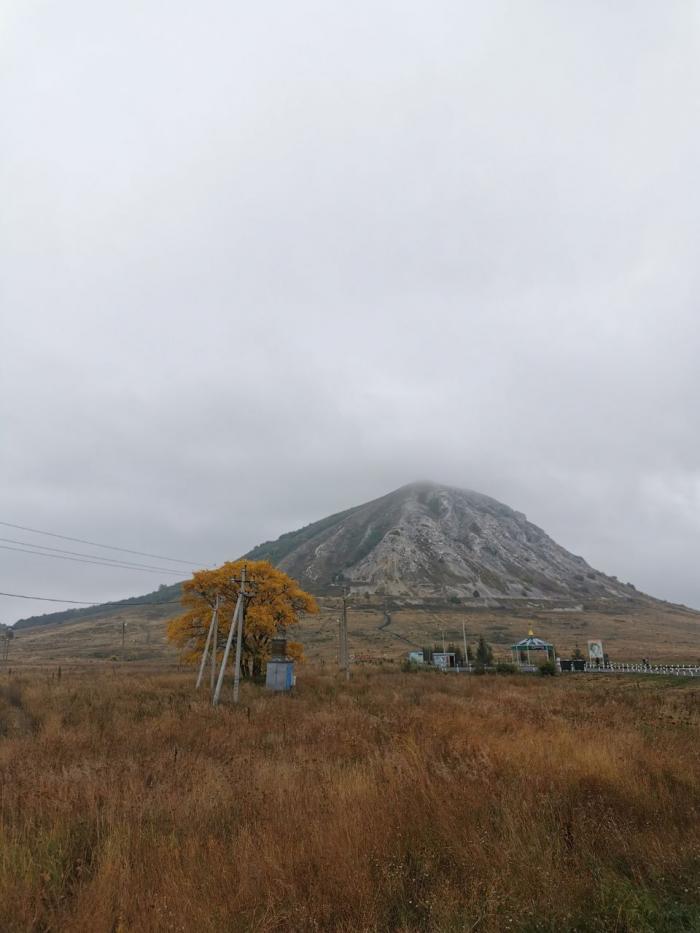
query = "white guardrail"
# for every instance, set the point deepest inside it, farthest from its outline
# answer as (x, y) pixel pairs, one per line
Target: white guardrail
(674, 670)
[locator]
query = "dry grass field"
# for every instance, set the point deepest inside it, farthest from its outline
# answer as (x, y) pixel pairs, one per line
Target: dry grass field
(398, 801)
(661, 632)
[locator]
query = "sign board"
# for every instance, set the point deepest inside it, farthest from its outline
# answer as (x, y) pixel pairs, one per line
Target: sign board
(595, 650)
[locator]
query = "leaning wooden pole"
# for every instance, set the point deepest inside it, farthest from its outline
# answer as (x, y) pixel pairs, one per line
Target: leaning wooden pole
(205, 653)
(214, 646)
(239, 640)
(227, 649)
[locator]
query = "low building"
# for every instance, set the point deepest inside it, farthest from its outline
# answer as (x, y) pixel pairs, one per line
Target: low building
(445, 660)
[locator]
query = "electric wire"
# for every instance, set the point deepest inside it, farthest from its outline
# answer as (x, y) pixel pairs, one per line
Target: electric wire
(126, 603)
(109, 547)
(98, 563)
(49, 599)
(109, 561)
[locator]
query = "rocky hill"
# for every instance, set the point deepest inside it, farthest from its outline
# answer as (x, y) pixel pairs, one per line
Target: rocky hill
(432, 541)
(423, 542)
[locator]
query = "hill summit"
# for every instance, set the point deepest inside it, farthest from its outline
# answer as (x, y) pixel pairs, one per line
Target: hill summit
(427, 540)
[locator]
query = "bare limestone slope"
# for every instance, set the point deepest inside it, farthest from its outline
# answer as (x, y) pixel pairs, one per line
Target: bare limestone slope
(427, 540)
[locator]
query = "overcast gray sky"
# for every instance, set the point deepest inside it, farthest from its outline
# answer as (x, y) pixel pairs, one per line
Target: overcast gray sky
(263, 261)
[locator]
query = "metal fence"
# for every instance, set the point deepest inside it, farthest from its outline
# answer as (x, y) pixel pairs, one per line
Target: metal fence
(674, 670)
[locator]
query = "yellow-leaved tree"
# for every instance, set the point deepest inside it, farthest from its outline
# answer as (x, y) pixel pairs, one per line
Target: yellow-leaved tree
(275, 604)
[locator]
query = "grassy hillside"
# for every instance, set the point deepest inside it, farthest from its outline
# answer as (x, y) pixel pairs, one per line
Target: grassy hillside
(164, 595)
(408, 802)
(658, 631)
(277, 550)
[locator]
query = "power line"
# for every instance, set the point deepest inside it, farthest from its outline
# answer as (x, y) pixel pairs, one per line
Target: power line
(108, 561)
(82, 602)
(99, 563)
(109, 547)
(48, 599)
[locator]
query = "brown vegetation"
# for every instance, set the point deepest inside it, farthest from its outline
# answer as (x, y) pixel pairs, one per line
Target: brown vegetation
(394, 802)
(662, 634)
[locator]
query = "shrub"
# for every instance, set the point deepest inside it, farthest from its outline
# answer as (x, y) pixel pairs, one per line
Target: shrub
(484, 654)
(547, 669)
(504, 667)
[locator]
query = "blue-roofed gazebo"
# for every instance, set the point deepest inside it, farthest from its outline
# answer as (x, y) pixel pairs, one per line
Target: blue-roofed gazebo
(532, 651)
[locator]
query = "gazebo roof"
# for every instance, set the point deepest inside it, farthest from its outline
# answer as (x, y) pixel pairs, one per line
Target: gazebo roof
(532, 643)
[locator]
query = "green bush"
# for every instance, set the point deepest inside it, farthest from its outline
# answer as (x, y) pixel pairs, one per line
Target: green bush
(484, 653)
(548, 669)
(504, 667)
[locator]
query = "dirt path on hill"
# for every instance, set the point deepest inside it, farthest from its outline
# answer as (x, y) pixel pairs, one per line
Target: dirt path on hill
(384, 627)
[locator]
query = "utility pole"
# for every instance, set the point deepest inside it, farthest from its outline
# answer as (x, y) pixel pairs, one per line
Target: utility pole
(239, 639)
(343, 638)
(227, 649)
(466, 652)
(123, 636)
(214, 644)
(211, 634)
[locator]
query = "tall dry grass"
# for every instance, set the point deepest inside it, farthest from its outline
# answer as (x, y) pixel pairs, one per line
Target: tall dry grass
(397, 802)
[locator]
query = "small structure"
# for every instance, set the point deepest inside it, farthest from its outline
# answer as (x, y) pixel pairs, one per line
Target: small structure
(445, 660)
(280, 668)
(280, 675)
(532, 651)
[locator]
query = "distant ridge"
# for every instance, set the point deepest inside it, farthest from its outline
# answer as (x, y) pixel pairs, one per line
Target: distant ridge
(162, 596)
